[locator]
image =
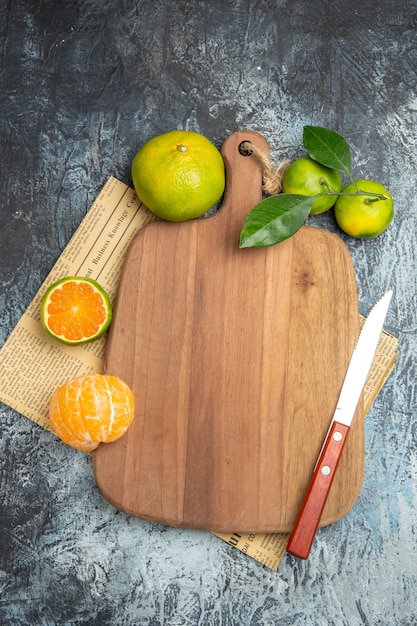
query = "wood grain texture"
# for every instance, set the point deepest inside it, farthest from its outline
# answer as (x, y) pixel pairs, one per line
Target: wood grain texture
(236, 359)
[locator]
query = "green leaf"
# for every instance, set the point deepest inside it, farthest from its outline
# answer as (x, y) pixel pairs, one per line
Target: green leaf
(328, 148)
(274, 219)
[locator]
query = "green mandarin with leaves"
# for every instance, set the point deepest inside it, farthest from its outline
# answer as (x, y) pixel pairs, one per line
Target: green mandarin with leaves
(277, 218)
(364, 216)
(307, 177)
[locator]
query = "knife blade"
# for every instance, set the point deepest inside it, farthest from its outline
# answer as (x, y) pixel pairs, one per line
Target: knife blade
(304, 531)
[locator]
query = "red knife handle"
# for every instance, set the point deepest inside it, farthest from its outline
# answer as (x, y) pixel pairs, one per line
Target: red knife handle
(302, 536)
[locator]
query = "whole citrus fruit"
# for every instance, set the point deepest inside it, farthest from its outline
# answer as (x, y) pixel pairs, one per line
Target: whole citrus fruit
(75, 310)
(91, 409)
(364, 215)
(308, 178)
(178, 175)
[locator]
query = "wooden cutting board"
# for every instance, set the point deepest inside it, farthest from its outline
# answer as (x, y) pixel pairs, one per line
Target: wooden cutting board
(236, 358)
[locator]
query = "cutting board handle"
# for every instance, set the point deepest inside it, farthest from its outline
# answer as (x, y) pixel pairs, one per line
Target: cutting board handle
(243, 175)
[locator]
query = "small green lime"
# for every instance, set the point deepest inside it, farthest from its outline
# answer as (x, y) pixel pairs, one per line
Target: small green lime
(362, 215)
(308, 178)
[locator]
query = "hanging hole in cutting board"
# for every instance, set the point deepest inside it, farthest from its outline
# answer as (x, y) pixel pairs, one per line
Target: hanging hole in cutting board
(271, 175)
(244, 148)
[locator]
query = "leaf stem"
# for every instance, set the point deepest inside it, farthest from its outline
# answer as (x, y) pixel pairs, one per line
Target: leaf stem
(373, 197)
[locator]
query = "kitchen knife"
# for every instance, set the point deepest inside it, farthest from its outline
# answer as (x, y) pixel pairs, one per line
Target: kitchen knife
(302, 536)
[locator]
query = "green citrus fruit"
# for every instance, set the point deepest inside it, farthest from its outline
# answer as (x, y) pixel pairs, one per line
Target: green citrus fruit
(75, 310)
(361, 215)
(178, 175)
(308, 178)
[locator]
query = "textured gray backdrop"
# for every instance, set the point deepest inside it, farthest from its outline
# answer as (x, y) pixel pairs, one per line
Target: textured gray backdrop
(83, 85)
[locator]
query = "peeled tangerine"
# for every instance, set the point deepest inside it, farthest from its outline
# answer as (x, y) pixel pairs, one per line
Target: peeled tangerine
(91, 409)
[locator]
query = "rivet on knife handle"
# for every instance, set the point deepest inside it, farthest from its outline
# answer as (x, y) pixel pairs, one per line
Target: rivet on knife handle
(308, 519)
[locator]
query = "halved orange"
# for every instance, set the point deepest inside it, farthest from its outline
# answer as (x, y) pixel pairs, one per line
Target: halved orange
(76, 310)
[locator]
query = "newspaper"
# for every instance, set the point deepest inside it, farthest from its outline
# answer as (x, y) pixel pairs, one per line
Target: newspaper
(97, 250)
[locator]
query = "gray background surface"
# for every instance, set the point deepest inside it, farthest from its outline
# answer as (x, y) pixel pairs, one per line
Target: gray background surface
(83, 85)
